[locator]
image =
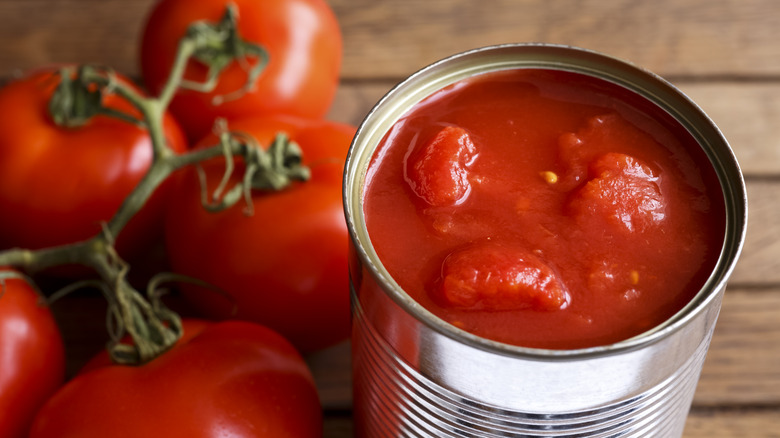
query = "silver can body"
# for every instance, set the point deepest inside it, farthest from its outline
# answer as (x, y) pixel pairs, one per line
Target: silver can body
(417, 376)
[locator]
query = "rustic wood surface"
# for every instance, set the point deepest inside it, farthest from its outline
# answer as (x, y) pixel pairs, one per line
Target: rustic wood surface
(724, 53)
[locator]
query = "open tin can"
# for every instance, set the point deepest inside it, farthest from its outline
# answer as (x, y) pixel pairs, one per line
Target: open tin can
(416, 375)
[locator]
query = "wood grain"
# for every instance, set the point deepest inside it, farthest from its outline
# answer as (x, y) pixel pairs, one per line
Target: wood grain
(737, 423)
(743, 363)
(392, 38)
(41, 32)
(725, 37)
(760, 260)
(748, 114)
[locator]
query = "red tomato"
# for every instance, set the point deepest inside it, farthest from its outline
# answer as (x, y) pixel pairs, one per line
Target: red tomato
(32, 356)
(234, 379)
(302, 38)
(61, 183)
(285, 266)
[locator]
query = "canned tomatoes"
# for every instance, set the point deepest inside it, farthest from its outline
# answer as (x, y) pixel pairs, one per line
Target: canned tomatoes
(540, 239)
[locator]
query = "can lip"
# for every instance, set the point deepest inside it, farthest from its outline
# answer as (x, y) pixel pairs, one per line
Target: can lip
(584, 61)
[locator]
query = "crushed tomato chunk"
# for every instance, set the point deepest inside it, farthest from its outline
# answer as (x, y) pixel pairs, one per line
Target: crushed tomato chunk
(490, 276)
(438, 170)
(624, 191)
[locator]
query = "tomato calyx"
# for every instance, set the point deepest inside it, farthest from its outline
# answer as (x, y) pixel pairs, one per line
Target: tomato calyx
(273, 169)
(73, 105)
(217, 45)
(78, 96)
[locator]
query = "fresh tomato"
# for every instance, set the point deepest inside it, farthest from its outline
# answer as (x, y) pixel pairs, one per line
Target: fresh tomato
(303, 41)
(285, 265)
(58, 184)
(235, 379)
(31, 353)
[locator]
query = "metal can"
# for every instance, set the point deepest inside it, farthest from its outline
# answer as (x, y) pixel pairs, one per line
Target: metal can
(415, 375)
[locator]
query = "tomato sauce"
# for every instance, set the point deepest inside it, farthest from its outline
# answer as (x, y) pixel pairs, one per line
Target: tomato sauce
(544, 209)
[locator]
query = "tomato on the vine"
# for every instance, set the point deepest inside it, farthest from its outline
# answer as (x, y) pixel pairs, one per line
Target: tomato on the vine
(31, 353)
(58, 184)
(233, 378)
(301, 37)
(285, 265)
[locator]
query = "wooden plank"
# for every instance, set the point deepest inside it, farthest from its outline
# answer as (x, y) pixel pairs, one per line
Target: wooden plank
(41, 32)
(747, 114)
(753, 423)
(354, 100)
(760, 260)
(743, 363)
(333, 373)
(730, 37)
(392, 38)
(692, 37)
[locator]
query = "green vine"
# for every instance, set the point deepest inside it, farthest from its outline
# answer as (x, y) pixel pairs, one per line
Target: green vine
(153, 327)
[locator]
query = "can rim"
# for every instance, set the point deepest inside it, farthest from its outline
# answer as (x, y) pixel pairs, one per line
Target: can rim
(589, 62)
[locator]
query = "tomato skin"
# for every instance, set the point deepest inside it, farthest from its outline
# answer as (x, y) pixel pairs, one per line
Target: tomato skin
(303, 41)
(59, 184)
(285, 266)
(235, 379)
(32, 357)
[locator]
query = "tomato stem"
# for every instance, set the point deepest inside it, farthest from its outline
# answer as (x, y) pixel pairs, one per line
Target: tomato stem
(269, 170)
(152, 327)
(218, 46)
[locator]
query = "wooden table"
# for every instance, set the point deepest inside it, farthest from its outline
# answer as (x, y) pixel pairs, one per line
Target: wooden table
(725, 54)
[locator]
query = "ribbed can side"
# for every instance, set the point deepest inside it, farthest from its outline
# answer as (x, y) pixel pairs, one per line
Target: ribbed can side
(392, 399)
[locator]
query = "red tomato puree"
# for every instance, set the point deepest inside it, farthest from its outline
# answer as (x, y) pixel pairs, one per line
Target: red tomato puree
(544, 209)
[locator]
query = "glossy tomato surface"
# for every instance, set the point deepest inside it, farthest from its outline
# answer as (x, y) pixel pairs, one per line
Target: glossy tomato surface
(303, 41)
(32, 356)
(285, 265)
(232, 379)
(58, 184)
